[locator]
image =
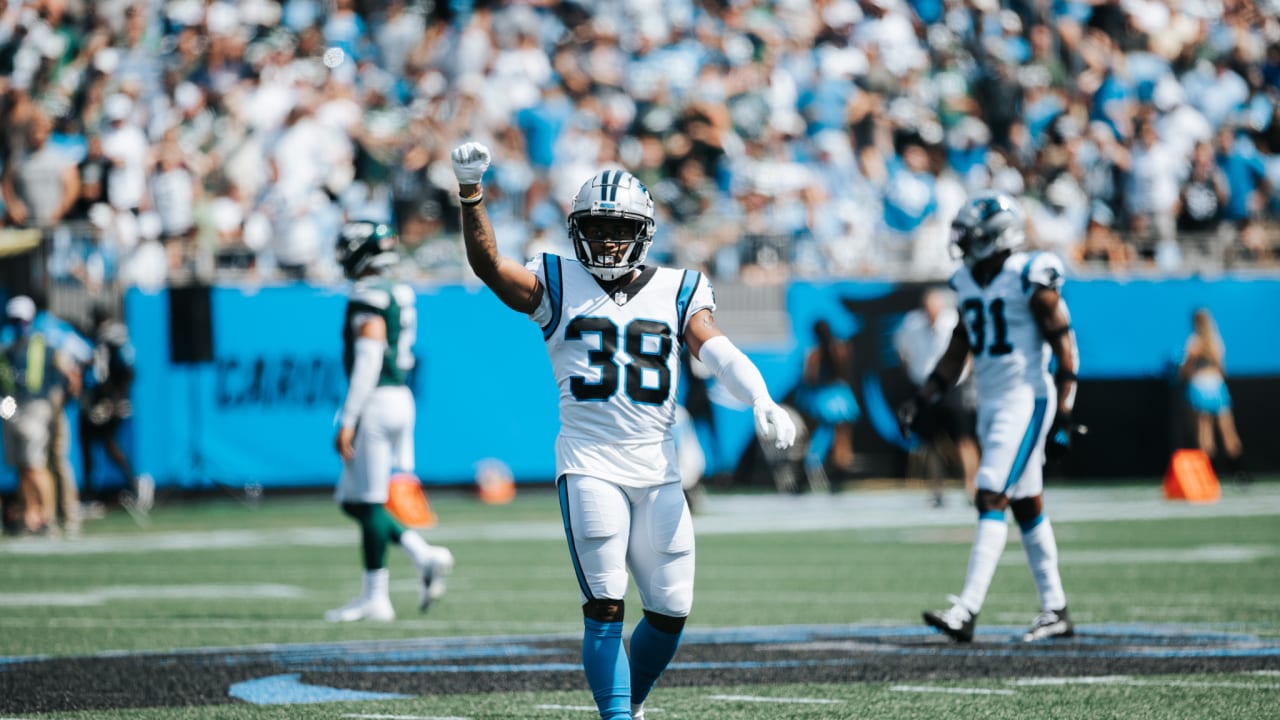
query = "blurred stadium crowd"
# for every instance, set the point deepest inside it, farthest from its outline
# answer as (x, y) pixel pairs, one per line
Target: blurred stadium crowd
(155, 141)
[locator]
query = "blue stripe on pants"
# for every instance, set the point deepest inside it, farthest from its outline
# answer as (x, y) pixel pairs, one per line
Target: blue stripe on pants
(563, 487)
(1029, 441)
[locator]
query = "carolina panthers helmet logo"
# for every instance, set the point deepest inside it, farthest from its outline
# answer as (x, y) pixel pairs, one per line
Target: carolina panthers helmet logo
(988, 207)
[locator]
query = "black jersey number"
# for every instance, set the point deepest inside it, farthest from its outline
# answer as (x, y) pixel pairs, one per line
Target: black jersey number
(605, 358)
(975, 318)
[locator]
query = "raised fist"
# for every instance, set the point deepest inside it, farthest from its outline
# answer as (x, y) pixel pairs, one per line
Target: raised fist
(470, 161)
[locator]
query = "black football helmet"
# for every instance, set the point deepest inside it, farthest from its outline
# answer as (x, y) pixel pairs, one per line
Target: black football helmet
(988, 223)
(365, 245)
(615, 207)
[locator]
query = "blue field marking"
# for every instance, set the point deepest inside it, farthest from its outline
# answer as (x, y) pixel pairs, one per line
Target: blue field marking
(1177, 640)
(576, 666)
(20, 660)
(1167, 634)
(272, 674)
(1092, 641)
(290, 690)
(782, 634)
(420, 654)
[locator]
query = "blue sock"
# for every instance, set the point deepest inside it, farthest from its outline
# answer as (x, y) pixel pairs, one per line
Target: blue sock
(605, 663)
(651, 652)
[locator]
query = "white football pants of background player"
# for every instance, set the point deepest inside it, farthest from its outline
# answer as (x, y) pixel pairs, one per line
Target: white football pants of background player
(1010, 468)
(384, 442)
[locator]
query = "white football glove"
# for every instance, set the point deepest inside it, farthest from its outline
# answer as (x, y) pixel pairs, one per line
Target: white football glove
(470, 161)
(773, 422)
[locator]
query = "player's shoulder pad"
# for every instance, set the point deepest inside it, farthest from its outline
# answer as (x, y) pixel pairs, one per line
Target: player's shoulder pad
(706, 281)
(711, 288)
(694, 295)
(538, 264)
(404, 294)
(1043, 269)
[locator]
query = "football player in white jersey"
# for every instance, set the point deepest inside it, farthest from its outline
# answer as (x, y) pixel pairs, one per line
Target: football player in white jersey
(614, 328)
(1013, 321)
(375, 433)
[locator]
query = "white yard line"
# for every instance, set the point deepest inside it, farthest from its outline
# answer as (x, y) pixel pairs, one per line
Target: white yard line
(1213, 554)
(482, 627)
(1053, 681)
(102, 595)
(1208, 684)
(950, 690)
(405, 717)
(1128, 681)
(780, 700)
(574, 708)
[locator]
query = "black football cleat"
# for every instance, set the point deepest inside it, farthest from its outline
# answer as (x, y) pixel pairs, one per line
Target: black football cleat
(1050, 624)
(956, 621)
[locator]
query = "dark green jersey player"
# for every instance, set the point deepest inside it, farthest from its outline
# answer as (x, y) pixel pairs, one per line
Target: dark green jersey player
(375, 435)
(394, 303)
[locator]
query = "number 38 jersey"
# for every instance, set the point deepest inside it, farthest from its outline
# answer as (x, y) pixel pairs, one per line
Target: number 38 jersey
(1008, 350)
(616, 358)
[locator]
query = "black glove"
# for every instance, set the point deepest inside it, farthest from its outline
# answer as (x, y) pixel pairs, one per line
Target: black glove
(907, 413)
(1060, 435)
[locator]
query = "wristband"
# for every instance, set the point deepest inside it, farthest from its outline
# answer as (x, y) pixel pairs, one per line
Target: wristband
(472, 199)
(1058, 333)
(1063, 376)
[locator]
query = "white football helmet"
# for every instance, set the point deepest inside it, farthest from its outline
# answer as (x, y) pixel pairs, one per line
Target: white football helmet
(988, 223)
(611, 224)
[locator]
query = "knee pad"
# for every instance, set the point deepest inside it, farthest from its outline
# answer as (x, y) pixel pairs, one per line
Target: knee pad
(669, 624)
(1026, 510)
(603, 610)
(988, 501)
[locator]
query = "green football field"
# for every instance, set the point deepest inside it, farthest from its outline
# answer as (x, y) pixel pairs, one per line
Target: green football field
(806, 607)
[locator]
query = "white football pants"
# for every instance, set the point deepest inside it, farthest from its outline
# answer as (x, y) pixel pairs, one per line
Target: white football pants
(384, 441)
(1012, 432)
(649, 530)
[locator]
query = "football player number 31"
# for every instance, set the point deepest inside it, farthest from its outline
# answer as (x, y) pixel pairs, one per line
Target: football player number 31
(642, 358)
(975, 318)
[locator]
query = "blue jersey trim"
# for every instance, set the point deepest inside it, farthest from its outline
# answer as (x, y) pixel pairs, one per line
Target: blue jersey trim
(562, 486)
(688, 284)
(554, 292)
(1028, 443)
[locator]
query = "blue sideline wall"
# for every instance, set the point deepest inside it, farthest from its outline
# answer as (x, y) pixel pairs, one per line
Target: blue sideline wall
(262, 408)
